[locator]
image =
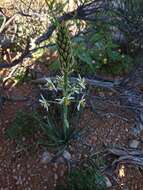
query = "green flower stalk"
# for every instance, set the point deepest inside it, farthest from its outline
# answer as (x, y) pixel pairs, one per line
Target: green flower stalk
(65, 49)
(66, 59)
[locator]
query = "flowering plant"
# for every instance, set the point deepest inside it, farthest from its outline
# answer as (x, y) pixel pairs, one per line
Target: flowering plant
(69, 89)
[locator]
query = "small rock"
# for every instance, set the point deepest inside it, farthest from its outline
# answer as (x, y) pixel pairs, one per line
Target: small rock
(67, 155)
(28, 166)
(14, 170)
(23, 139)
(18, 166)
(55, 165)
(45, 166)
(46, 158)
(126, 129)
(134, 144)
(108, 182)
(101, 94)
(62, 173)
(60, 160)
(29, 188)
(55, 177)
(55, 184)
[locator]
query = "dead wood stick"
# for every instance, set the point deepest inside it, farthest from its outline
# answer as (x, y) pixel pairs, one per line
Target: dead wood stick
(129, 156)
(97, 83)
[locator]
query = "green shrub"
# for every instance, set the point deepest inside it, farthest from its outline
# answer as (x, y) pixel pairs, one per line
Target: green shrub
(84, 179)
(128, 18)
(25, 125)
(97, 51)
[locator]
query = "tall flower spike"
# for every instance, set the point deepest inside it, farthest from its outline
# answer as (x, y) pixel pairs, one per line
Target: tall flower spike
(65, 48)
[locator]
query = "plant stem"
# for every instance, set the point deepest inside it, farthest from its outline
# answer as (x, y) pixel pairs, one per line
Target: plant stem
(65, 106)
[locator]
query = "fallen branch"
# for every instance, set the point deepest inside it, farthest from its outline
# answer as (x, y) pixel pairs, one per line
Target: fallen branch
(129, 156)
(82, 13)
(6, 23)
(91, 82)
(18, 60)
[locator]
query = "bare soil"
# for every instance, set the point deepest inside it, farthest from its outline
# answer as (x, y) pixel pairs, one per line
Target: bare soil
(21, 167)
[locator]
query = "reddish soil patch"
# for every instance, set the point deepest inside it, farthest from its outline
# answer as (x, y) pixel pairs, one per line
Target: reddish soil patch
(21, 169)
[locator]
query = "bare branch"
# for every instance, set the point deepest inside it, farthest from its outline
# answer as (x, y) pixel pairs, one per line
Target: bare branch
(18, 60)
(95, 83)
(82, 13)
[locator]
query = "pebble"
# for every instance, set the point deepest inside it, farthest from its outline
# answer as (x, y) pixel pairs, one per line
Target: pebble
(29, 188)
(60, 160)
(67, 155)
(108, 182)
(45, 167)
(55, 165)
(62, 173)
(23, 139)
(18, 166)
(55, 177)
(28, 166)
(14, 170)
(46, 158)
(127, 130)
(134, 144)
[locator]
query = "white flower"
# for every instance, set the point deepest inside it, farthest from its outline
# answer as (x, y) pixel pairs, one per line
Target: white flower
(50, 85)
(76, 89)
(44, 103)
(81, 103)
(81, 82)
(65, 100)
(60, 81)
